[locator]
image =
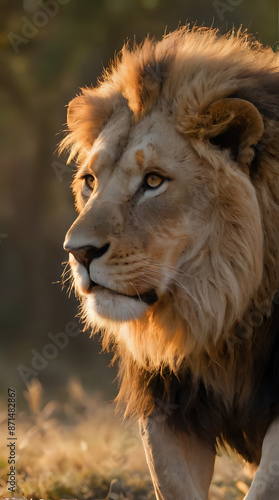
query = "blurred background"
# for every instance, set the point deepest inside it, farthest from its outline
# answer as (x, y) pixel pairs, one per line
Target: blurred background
(49, 49)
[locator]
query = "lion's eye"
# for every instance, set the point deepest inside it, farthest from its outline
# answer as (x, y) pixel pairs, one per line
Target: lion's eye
(153, 181)
(89, 181)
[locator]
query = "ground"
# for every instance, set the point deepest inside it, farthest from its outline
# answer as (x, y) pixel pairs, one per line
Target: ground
(79, 448)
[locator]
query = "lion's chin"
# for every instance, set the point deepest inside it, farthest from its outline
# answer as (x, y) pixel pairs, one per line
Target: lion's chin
(113, 306)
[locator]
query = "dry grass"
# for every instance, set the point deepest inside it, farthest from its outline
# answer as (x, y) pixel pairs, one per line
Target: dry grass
(80, 449)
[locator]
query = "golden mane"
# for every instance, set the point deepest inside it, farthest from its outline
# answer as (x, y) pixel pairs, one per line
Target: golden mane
(194, 67)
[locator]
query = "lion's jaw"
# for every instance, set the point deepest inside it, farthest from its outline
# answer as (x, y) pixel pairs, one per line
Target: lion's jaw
(196, 240)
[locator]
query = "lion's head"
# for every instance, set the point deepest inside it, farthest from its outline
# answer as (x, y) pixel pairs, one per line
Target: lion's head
(175, 188)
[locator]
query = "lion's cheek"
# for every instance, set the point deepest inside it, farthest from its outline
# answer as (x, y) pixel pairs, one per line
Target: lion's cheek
(224, 266)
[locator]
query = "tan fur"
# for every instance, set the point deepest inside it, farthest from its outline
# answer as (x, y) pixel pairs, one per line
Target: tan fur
(206, 242)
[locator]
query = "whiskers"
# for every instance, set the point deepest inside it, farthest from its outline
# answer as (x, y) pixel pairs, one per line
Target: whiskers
(67, 279)
(137, 293)
(158, 273)
(166, 267)
(152, 274)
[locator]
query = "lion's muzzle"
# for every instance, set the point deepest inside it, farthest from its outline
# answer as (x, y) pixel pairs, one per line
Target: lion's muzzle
(84, 255)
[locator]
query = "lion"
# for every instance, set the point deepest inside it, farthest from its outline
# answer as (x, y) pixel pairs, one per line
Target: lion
(174, 253)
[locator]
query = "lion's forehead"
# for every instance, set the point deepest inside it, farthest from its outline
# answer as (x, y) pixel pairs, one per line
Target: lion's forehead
(131, 149)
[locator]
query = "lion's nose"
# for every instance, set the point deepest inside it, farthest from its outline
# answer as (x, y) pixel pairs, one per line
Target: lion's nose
(86, 254)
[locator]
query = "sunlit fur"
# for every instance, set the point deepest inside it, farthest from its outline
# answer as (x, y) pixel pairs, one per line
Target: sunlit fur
(229, 263)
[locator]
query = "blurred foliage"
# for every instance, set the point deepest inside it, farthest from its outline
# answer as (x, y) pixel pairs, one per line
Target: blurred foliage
(40, 73)
(80, 449)
(60, 456)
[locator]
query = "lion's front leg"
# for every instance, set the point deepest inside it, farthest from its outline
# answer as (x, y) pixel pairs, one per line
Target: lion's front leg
(265, 485)
(181, 467)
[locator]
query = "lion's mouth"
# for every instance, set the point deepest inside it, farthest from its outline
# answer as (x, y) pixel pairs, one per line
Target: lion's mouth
(149, 297)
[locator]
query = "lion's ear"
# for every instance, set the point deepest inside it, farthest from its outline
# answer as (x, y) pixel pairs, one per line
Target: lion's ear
(231, 123)
(235, 124)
